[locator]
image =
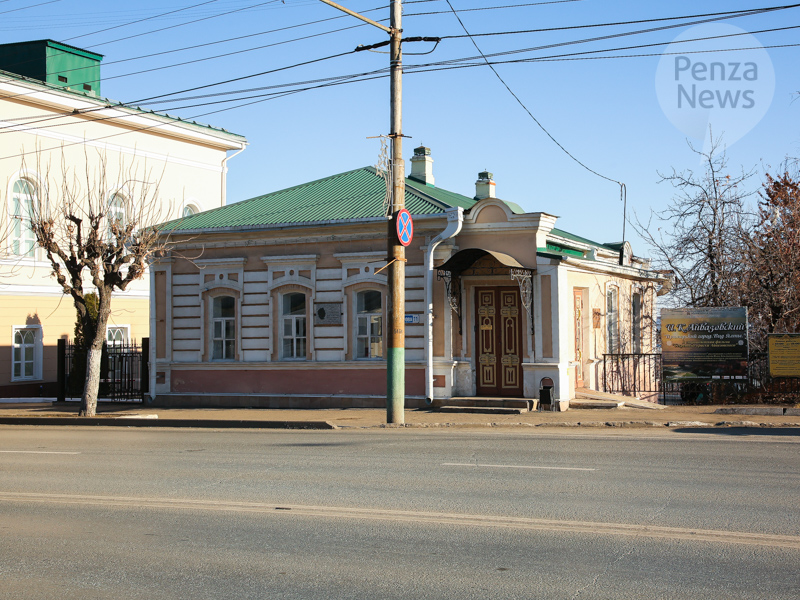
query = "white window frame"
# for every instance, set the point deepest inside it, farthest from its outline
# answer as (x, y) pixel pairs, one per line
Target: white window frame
(125, 331)
(21, 234)
(612, 321)
(368, 318)
(637, 339)
(192, 208)
(223, 336)
(116, 210)
(293, 321)
(35, 349)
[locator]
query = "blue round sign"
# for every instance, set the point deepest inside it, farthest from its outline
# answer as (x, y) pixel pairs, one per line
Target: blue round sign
(404, 226)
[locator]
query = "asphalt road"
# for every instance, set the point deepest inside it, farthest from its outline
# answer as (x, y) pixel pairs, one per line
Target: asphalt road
(101, 513)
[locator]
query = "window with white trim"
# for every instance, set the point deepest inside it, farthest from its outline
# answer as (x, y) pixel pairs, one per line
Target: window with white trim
(189, 211)
(369, 324)
(23, 196)
(26, 354)
(636, 321)
(116, 213)
(293, 326)
(116, 336)
(223, 328)
(612, 320)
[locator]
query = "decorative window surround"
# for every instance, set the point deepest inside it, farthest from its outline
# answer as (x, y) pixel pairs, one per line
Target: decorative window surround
(283, 270)
(366, 263)
(26, 349)
(221, 273)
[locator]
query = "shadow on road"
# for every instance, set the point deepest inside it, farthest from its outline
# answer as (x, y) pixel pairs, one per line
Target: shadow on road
(738, 431)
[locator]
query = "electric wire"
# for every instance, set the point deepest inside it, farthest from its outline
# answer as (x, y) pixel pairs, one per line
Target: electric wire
(489, 7)
(5, 12)
(746, 12)
(353, 78)
(142, 20)
(612, 36)
(377, 76)
(409, 69)
(525, 108)
(223, 14)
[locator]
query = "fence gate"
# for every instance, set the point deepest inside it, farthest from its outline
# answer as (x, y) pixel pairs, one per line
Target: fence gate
(124, 373)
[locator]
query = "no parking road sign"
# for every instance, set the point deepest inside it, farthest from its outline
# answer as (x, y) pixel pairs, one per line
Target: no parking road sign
(404, 227)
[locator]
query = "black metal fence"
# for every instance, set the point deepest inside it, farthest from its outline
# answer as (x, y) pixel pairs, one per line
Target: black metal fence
(637, 374)
(631, 374)
(124, 373)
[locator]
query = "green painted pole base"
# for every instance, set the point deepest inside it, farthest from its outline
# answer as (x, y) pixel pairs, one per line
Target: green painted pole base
(396, 386)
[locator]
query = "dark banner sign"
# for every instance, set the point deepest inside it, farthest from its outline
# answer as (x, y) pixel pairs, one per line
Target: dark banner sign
(704, 344)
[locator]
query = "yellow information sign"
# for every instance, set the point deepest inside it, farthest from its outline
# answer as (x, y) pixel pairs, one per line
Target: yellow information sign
(784, 355)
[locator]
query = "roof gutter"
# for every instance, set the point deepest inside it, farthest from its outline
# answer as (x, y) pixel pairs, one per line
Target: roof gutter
(600, 267)
(455, 219)
(224, 193)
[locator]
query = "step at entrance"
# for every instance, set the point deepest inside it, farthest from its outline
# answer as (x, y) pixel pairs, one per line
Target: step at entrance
(485, 405)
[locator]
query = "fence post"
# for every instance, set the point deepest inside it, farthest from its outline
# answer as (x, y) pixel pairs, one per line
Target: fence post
(144, 370)
(61, 353)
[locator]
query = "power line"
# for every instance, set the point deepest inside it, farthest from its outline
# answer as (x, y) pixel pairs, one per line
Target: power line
(372, 75)
(208, 85)
(618, 35)
(222, 14)
(198, 60)
(5, 12)
(522, 104)
(614, 24)
(443, 12)
(137, 21)
(410, 69)
(738, 13)
(450, 64)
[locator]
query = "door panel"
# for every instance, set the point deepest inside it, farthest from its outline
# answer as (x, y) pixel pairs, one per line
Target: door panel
(579, 345)
(499, 341)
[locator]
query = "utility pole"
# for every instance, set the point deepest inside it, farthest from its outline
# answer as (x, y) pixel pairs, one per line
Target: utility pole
(396, 309)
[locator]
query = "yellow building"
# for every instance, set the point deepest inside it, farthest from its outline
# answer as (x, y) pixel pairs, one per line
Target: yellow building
(60, 119)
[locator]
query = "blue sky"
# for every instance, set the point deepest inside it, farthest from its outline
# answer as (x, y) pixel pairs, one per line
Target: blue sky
(605, 112)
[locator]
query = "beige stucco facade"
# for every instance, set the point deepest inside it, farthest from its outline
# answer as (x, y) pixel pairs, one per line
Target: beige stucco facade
(329, 264)
(47, 130)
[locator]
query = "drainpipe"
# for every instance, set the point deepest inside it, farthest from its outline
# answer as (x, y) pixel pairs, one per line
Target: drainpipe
(455, 218)
(223, 191)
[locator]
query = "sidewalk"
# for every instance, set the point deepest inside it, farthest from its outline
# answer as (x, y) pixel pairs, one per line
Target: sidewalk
(134, 415)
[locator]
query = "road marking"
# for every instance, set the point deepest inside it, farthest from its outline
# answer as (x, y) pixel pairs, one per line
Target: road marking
(518, 467)
(630, 530)
(34, 452)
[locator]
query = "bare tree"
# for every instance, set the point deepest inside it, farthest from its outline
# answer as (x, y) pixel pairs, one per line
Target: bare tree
(699, 235)
(97, 229)
(773, 261)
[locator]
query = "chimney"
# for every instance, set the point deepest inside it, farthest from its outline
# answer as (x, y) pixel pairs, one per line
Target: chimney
(484, 187)
(422, 165)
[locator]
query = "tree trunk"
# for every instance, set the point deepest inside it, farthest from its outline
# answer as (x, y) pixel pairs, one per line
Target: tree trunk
(94, 355)
(91, 385)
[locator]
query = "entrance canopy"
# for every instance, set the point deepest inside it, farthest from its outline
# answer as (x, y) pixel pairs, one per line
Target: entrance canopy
(464, 262)
(464, 259)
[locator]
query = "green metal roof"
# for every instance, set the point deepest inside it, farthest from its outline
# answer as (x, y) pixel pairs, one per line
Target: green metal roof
(583, 240)
(354, 195)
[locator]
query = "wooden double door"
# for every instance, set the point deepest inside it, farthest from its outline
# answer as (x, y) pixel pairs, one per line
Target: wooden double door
(498, 335)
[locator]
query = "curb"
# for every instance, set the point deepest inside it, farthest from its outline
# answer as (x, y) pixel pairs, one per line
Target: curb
(327, 425)
(197, 423)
